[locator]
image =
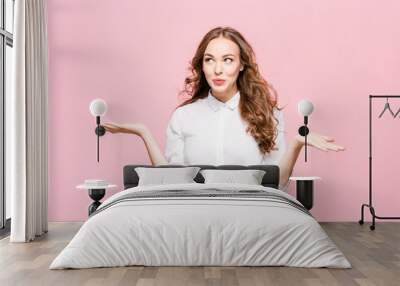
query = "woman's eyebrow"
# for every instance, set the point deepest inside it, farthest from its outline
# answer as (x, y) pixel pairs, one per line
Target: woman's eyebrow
(227, 55)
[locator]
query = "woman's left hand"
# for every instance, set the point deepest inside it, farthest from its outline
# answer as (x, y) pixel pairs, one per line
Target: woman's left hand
(324, 143)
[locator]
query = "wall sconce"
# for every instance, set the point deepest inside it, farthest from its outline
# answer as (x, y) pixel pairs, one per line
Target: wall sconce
(98, 107)
(305, 108)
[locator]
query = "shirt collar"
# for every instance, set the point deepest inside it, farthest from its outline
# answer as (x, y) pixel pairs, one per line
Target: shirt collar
(215, 104)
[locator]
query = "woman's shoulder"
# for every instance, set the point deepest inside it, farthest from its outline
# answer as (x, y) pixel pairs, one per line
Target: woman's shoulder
(187, 112)
(278, 114)
(277, 110)
(198, 105)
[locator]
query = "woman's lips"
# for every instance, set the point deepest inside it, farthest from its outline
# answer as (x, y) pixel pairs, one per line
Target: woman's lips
(218, 81)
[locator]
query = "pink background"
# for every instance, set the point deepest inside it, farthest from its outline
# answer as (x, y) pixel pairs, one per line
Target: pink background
(134, 55)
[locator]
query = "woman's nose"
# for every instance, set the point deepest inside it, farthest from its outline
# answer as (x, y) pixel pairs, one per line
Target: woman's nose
(218, 68)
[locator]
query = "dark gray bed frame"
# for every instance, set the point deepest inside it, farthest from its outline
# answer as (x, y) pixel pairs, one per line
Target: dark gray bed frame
(270, 179)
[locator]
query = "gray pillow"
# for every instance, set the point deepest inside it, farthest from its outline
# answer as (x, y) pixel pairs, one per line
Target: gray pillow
(248, 177)
(163, 176)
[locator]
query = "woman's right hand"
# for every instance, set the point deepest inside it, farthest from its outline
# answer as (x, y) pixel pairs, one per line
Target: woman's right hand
(131, 128)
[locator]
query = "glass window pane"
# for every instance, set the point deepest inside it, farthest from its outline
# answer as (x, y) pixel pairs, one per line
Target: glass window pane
(8, 88)
(2, 195)
(1, 13)
(9, 15)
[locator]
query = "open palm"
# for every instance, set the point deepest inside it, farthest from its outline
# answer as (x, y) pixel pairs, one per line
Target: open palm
(130, 128)
(324, 143)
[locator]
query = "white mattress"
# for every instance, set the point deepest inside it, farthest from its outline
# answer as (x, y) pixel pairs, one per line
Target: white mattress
(200, 231)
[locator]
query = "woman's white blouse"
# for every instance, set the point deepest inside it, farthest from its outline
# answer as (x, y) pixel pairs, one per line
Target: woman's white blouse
(211, 132)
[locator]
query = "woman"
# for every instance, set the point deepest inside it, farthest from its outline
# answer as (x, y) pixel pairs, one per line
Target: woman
(231, 116)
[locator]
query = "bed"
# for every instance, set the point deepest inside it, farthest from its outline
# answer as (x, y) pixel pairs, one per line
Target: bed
(201, 224)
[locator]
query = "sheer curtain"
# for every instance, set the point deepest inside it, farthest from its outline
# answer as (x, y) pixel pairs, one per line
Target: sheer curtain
(26, 123)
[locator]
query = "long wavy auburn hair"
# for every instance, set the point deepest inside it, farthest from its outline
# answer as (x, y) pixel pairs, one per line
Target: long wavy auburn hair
(257, 97)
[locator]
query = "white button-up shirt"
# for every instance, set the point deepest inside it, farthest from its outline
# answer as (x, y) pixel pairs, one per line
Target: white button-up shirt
(211, 132)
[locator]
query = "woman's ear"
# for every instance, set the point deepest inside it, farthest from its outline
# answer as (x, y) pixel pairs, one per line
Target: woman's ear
(241, 68)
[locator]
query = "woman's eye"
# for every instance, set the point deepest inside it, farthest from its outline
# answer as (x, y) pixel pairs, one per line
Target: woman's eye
(207, 60)
(228, 60)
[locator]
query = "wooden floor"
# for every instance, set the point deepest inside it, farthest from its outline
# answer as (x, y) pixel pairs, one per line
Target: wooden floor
(374, 255)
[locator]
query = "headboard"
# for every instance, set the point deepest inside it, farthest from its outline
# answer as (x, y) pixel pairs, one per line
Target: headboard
(270, 179)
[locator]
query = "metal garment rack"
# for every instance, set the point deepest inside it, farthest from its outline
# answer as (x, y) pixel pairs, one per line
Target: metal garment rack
(369, 205)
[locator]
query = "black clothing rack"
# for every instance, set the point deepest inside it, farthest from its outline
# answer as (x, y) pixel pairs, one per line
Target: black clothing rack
(369, 205)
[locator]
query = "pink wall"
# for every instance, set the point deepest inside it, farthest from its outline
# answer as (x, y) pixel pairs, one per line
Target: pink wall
(134, 54)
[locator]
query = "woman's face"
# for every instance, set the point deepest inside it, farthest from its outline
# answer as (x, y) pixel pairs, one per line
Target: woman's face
(221, 67)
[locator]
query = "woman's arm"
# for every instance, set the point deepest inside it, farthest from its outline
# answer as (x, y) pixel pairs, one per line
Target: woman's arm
(288, 161)
(324, 143)
(154, 151)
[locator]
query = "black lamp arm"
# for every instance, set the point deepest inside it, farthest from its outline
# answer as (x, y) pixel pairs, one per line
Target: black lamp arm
(100, 131)
(303, 131)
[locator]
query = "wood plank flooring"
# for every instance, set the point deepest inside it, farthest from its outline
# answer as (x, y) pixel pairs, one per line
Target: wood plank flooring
(374, 255)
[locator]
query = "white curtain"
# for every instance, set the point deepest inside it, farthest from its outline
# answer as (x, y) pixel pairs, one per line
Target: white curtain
(26, 123)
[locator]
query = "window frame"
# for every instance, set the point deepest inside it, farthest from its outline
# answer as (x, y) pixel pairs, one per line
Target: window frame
(6, 39)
